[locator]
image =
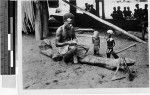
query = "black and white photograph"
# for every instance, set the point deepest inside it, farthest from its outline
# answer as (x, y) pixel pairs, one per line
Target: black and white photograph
(84, 44)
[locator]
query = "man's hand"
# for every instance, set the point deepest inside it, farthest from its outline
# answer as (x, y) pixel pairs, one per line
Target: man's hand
(72, 43)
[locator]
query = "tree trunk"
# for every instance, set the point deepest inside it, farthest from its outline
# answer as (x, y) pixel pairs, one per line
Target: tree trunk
(105, 62)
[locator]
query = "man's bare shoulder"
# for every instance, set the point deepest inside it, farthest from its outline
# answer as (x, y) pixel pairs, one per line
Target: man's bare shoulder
(73, 28)
(59, 30)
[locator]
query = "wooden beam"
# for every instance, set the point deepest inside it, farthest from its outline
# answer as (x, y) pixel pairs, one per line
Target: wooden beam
(107, 23)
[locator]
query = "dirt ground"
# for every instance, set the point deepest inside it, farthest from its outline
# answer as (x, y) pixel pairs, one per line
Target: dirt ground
(41, 72)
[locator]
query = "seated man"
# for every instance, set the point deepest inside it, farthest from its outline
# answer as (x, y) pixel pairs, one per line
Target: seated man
(66, 41)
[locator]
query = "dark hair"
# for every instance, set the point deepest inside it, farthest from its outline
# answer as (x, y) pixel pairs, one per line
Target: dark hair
(137, 5)
(68, 15)
(146, 5)
(118, 7)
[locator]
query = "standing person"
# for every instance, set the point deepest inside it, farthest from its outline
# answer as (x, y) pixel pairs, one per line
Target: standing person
(87, 7)
(119, 13)
(114, 14)
(96, 42)
(145, 13)
(137, 12)
(110, 45)
(129, 13)
(92, 10)
(125, 12)
(145, 21)
(66, 40)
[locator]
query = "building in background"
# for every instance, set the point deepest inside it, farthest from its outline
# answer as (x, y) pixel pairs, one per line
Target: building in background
(104, 8)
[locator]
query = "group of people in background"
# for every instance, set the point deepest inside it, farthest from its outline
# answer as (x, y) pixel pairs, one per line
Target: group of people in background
(139, 13)
(119, 15)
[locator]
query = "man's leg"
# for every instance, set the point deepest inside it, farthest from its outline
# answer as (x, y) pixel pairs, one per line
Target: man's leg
(96, 50)
(108, 53)
(114, 55)
(68, 57)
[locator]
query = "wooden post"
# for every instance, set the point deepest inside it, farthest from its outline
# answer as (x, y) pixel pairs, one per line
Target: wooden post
(38, 32)
(44, 17)
(97, 7)
(72, 9)
(103, 13)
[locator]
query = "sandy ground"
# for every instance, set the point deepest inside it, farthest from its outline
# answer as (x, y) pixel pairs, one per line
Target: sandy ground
(41, 72)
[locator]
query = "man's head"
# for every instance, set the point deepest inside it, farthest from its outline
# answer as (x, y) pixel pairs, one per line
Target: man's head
(96, 34)
(128, 8)
(68, 20)
(118, 8)
(110, 31)
(86, 4)
(125, 8)
(114, 8)
(146, 6)
(137, 6)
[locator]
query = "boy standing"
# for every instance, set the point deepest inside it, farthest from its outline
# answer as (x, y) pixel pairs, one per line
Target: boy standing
(110, 45)
(96, 42)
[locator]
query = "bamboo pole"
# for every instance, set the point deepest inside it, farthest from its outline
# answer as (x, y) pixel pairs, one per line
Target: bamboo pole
(107, 23)
(126, 48)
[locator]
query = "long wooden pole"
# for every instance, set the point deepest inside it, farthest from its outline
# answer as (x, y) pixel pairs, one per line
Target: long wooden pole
(126, 48)
(107, 23)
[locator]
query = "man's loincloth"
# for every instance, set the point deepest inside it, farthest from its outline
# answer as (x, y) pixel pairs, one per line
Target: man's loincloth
(80, 50)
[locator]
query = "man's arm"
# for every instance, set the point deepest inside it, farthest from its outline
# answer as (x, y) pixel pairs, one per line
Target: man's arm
(92, 39)
(99, 42)
(74, 36)
(113, 43)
